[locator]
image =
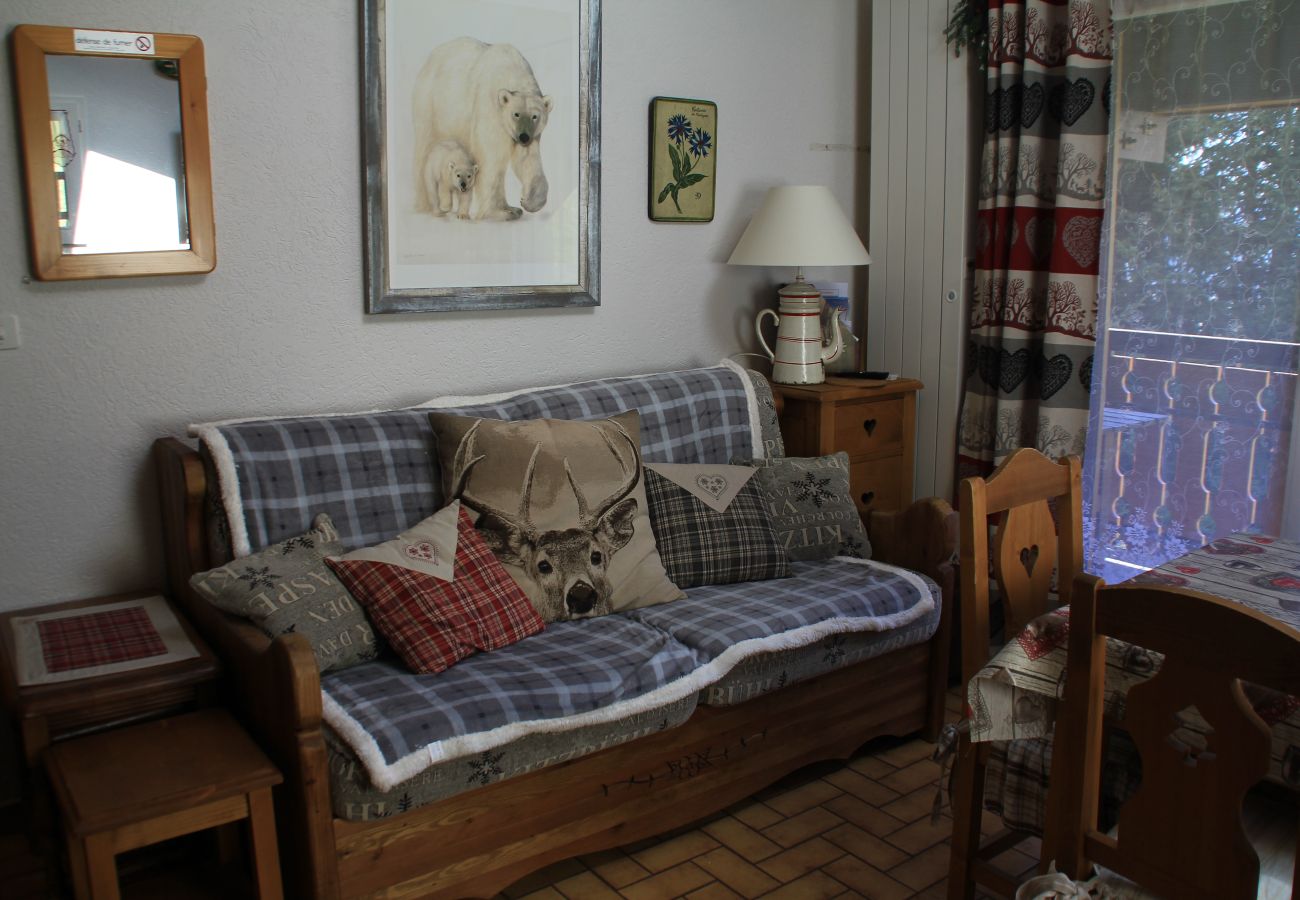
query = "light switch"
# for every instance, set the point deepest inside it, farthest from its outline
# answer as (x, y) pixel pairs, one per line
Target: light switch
(10, 337)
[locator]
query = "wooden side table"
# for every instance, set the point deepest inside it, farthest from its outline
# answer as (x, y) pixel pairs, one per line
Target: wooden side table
(875, 423)
(48, 712)
(131, 787)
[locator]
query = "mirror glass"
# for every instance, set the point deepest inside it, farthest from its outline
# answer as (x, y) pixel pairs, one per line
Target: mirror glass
(118, 157)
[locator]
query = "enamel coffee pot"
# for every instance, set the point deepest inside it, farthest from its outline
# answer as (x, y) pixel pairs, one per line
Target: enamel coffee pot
(800, 356)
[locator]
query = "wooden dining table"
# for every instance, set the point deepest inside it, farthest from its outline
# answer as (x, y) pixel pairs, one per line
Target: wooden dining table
(1015, 695)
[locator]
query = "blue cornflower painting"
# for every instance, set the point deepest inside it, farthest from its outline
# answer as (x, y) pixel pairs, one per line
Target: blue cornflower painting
(701, 141)
(679, 128)
(682, 164)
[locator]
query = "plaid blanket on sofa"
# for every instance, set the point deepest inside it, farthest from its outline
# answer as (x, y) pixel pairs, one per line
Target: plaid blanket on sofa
(376, 473)
(603, 669)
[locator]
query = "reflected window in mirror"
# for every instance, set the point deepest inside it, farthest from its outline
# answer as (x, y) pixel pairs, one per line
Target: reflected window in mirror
(118, 157)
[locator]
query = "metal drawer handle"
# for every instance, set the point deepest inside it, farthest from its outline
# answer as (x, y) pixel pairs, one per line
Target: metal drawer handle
(870, 425)
(867, 497)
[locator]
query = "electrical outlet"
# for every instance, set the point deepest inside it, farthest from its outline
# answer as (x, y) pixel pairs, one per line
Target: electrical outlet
(10, 337)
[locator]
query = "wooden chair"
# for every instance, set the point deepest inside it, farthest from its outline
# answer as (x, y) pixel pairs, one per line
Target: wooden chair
(1029, 543)
(1180, 835)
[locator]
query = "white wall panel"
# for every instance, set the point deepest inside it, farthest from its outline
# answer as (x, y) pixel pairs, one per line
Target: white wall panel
(920, 209)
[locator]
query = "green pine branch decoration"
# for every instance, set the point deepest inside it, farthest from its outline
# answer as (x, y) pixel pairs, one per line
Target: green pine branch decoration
(969, 28)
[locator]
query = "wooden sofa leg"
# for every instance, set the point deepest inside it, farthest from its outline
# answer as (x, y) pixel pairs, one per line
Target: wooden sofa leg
(967, 811)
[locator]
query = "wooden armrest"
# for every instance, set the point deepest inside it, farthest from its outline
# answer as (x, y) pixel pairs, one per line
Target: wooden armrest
(277, 683)
(922, 537)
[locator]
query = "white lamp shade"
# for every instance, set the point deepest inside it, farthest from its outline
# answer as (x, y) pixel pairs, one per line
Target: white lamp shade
(799, 225)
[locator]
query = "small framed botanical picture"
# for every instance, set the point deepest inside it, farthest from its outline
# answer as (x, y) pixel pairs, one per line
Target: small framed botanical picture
(683, 159)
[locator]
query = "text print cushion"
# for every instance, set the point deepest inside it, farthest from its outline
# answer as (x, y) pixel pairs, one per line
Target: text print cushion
(287, 587)
(433, 622)
(562, 504)
(812, 510)
(712, 525)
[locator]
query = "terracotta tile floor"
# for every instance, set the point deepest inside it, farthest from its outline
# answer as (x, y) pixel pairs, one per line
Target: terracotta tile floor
(860, 829)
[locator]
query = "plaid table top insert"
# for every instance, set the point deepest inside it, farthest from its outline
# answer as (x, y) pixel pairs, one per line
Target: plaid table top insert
(99, 638)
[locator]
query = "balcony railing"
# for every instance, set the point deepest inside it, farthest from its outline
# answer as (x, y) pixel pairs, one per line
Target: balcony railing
(1196, 432)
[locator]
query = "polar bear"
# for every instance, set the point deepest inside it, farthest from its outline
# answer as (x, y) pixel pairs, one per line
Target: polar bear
(449, 175)
(486, 97)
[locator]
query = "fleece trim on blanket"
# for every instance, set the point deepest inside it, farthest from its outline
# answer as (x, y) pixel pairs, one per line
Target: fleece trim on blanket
(751, 405)
(385, 776)
(209, 433)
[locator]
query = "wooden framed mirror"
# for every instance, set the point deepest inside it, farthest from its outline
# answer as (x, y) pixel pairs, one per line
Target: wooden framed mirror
(114, 131)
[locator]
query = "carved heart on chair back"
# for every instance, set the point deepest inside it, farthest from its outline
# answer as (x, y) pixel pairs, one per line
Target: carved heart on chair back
(1024, 556)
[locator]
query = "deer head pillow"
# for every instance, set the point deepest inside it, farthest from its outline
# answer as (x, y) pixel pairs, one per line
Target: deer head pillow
(562, 504)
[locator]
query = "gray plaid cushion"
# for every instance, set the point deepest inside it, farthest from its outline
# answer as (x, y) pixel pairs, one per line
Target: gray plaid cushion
(699, 546)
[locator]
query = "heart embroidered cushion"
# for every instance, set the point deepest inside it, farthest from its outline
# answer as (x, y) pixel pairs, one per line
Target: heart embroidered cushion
(812, 510)
(562, 504)
(288, 587)
(711, 525)
(437, 594)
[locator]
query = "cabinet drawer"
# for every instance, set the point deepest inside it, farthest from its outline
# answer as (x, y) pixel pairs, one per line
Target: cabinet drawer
(878, 484)
(876, 427)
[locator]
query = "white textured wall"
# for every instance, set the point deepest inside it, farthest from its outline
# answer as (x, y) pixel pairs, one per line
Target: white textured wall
(108, 366)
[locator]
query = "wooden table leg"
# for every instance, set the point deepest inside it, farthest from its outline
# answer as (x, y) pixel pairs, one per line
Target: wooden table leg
(101, 867)
(262, 844)
(77, 864)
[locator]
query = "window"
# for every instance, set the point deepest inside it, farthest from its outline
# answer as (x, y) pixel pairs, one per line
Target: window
(1193, 405)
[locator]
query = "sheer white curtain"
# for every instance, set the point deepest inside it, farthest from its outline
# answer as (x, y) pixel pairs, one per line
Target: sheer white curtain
(1193, 400)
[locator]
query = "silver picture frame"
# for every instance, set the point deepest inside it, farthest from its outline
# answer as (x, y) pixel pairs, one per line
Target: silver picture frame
(416, 262)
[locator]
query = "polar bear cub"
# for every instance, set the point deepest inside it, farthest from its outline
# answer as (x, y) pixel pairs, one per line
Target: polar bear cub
(449, 175)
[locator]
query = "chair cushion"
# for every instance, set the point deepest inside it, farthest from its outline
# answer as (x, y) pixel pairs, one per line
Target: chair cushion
(834, 596)
(570, 675)
(772, 671)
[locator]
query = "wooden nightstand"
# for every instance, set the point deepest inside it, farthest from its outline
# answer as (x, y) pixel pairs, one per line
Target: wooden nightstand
(45, 713)
(874, 423)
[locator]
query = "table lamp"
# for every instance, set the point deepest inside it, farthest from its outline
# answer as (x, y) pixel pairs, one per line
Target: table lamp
(799, 225)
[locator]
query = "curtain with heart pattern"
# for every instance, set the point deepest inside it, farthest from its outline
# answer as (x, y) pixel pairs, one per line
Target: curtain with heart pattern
(1033, 313)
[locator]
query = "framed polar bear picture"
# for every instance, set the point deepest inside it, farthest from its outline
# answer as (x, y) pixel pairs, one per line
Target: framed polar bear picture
(482, 131)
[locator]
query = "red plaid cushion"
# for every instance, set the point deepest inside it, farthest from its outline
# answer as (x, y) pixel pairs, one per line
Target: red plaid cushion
(98, 638)
(433, 624)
